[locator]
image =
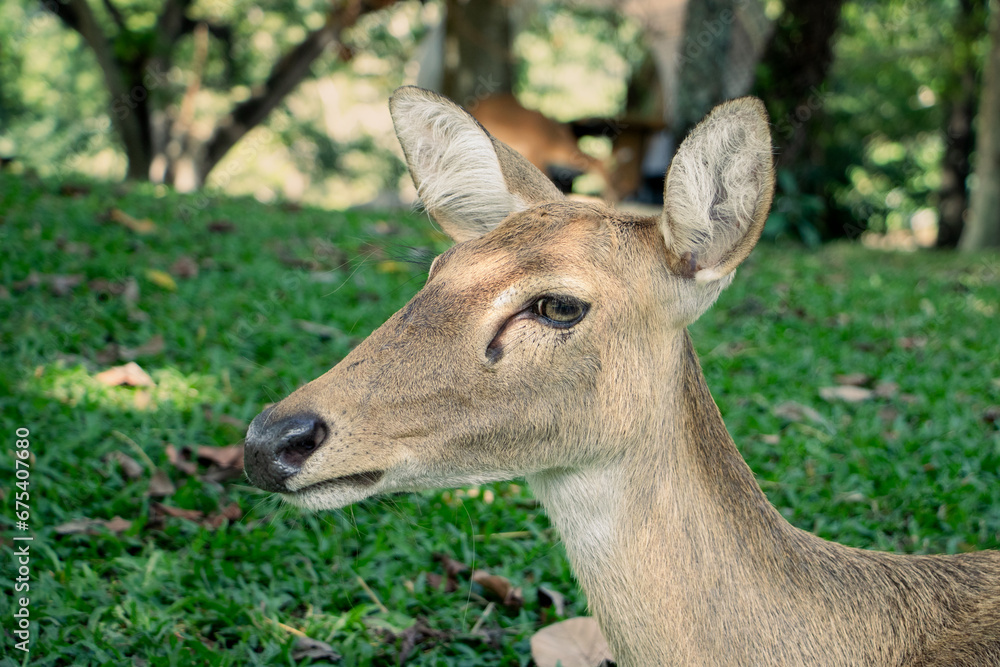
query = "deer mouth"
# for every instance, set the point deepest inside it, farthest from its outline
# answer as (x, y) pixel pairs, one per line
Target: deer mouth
(358, 479)
(336, 492)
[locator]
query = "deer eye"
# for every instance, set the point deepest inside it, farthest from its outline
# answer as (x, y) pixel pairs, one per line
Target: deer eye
(561, 312)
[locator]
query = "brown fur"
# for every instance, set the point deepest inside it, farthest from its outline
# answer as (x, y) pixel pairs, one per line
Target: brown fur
(683, 559)
(542, 141)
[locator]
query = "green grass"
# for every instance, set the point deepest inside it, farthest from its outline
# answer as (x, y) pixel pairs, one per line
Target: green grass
(916, 472)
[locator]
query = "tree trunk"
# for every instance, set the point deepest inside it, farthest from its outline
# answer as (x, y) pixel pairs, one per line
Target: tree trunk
(703, 60)
(477, 56)
(955, 168)
(796, 63)
(157, 143)
(124, 82)
(960, 108)
(983, 227)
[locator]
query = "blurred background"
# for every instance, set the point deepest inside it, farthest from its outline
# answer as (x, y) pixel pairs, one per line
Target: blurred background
(884, 112)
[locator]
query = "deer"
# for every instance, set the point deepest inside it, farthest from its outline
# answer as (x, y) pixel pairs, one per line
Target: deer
(549, 145)
(550, 343)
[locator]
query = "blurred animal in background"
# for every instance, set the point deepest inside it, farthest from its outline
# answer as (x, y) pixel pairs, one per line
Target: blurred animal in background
(546, 143)
(469, 57)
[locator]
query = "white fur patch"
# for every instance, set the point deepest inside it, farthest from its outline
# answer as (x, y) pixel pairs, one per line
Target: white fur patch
(454, 164)
(586, 508)
(707, 276)
(505, 298)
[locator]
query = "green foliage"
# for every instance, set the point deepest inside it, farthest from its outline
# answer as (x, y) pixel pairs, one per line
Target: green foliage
(887, 89)
(877, 133)
(56, 117)
(565, 48)
(914, 472)
(53, 107)
(794, 214)
(873, 161)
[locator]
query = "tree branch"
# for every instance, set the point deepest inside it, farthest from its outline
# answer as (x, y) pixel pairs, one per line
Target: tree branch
(116, 15)
(221, 32)
(170, 24)
(286, 74)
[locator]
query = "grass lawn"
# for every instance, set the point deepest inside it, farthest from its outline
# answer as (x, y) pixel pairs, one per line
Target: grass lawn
(230, 304)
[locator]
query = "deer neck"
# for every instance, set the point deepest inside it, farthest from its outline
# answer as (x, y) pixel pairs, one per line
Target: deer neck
(683, 559)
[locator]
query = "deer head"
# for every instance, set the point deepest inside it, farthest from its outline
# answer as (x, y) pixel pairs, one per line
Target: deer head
(550, 342)
(538, 337)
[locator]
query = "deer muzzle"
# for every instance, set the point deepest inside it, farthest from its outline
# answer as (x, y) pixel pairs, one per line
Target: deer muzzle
(276, 449)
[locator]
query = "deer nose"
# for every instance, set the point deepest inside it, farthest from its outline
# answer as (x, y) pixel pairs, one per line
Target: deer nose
(276, 450)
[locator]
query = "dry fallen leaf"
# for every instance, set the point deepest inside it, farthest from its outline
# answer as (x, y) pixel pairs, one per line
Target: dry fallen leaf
(226, 457)
(549, 598)
(130, 291)
(317, 329)
(144, 226)
(179, 461)
(118, 525)
(848, 393)
(418, 633)
(854, 379)
(74, 247)
(391, 266)
(796, 412)
(178, 512)
(991, 415)
(34, 279)
(886, 389)
(307, 647)
(61, 285)
(78, 526)
(93, 526)
(161, 279)
(103, 286)
(130, 374)
(576, 642)
(130, 467)
(912, 342)
(501, 588)
(160, 485)
(451, 566)
(184, 267)
(888, 414)
(230, 512)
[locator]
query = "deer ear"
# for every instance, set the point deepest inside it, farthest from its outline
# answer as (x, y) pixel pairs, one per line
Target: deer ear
(467, 180)
(718, 190)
